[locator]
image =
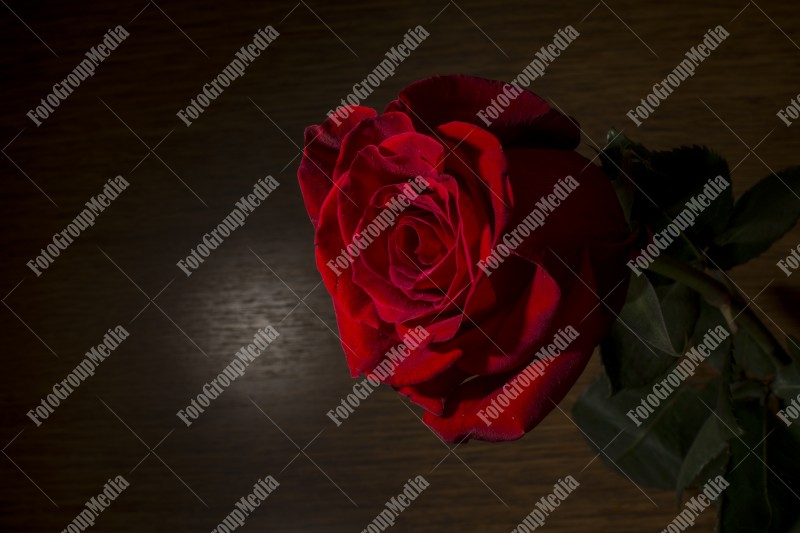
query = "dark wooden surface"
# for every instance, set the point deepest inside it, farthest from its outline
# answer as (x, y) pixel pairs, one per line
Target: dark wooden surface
(194, 476)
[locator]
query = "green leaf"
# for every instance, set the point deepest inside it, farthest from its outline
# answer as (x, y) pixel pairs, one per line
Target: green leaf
(642, 313)
(661, 183)
(638, 348)
(680, 307)
(709, 451)
(709, 446)
(760, 217)
(682, 174)
(651, 454)
(709, 318)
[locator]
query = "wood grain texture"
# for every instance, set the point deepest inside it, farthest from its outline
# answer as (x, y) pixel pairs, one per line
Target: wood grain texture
(193, 328)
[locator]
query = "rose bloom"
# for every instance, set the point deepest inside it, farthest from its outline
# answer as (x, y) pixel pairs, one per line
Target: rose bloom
(428, 230)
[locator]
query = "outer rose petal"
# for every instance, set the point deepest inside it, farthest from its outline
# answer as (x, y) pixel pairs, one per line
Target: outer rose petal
(369, 132)
(519, 325)
(522, 414)
(322, 145)
(527, 121)
(347, 296)
(589, 214)
(364, 346)
(432, 393)
(460, 419)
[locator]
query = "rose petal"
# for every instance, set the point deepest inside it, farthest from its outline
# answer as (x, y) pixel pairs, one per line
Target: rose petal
(370, 132)
(322, 145)
(461, 418)
(527, 121)
(518, 324)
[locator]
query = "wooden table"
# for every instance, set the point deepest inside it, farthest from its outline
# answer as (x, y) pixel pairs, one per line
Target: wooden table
(184, 180)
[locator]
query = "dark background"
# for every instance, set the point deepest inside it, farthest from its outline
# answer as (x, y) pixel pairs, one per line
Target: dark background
(122, 420)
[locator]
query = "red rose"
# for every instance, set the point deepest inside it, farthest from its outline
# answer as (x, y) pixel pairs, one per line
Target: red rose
(428, 233)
